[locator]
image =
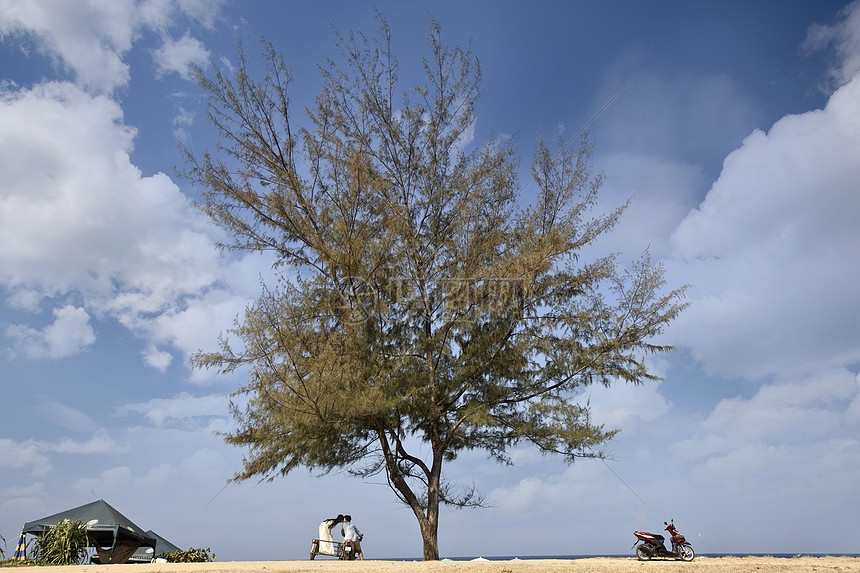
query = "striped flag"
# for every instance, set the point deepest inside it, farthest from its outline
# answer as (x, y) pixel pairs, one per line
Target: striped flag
(21, 550)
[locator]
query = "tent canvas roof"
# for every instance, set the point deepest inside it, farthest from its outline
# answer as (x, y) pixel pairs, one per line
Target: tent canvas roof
(105, 525)
(162, 546)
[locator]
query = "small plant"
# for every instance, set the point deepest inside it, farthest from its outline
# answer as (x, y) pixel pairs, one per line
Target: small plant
(193, 555)
(18, 563)
(63, 544)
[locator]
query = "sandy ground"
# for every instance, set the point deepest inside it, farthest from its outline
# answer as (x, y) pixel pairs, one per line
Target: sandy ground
(591, 565)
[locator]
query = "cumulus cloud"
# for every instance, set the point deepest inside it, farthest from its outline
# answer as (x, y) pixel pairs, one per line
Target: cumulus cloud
(69, 334)
(661, 193)
(34, 454)
(75, 212)
(76, 216)
(109, 480)
(21, 455)
(844, 36)
(99, 443)
(746, 442)
(627, 406)
(206, 12)
(821, 405)
(90, 39)
(156, 477)
(775, 239)
(158, 359)
(201, 465)
(578, 488)
(178, 55)
(33, 489)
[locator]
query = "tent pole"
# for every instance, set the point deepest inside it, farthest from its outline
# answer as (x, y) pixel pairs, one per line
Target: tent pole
(113, 546)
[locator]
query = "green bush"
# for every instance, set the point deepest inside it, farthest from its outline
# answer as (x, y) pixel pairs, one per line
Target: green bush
(64, 544)
(193, 555)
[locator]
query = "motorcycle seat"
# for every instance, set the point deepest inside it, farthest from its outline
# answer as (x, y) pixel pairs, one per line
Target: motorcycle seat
(656, 536)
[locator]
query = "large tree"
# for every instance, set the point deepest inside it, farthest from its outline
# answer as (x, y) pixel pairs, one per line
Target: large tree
(428, 304)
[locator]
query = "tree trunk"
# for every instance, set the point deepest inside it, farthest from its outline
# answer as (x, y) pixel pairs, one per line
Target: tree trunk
(429, 521)
(430, 528)
(430, 536)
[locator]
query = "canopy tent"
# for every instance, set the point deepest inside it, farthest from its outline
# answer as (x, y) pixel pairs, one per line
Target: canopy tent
(146, 554)
(114, 536)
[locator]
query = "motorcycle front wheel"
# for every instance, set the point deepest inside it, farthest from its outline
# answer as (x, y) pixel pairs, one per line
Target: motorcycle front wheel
(686, 553)
(641, 554)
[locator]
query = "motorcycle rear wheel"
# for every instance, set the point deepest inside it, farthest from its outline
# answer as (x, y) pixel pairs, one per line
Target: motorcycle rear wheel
(641, 554)
(686, 553)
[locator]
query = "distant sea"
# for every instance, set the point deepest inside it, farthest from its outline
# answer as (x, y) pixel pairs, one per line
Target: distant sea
(526, 557)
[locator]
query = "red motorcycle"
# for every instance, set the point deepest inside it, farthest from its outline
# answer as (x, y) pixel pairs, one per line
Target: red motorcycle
(652, 545)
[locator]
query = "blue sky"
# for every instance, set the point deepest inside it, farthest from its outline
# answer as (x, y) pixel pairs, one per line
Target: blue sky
(739, 138)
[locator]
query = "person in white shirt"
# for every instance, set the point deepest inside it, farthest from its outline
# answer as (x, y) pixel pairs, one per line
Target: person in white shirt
(352, 534)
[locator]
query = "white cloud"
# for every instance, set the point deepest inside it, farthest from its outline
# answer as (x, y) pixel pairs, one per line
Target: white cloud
(100, 443)
(205, 463)
(156, 477)
(661, 193)
(33, 489)
(76, 216)
(23, 507)
(88, 37)
(181, 120)
(774, 246)
(33, 453)
(69, 334)
(183, 407)
(579, 487)
(844, 35)
(627, 406)
(776, 432)
(109, 481)
(204, 11)
(91, 38)
(19, 455)
(200, 466)
(177, 55)
(160, 15)
(158, 359)
(63, 415)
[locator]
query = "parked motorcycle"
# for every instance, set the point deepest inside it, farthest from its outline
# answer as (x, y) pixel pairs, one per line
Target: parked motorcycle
(652, 545)
(341, 550)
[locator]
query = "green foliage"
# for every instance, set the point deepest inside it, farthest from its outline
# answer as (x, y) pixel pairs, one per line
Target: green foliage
(18, 563)
(429, 301)
(193, 555)
(64, 544)
(13, 562)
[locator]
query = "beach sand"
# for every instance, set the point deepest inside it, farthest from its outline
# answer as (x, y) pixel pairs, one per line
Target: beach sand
(590, 565)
